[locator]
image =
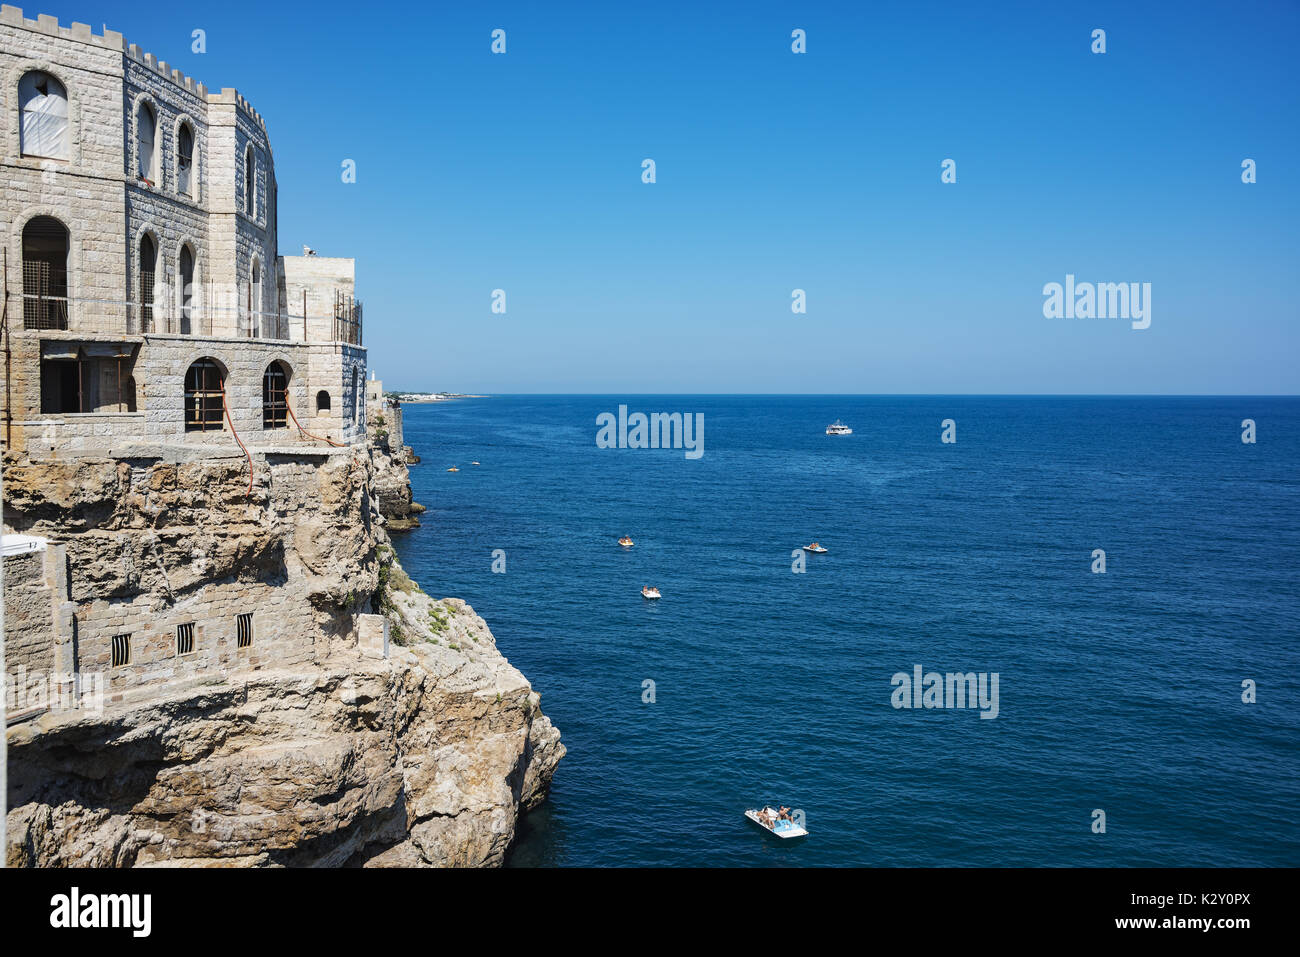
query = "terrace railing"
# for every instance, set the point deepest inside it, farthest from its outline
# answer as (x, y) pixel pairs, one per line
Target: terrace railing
(347, 319)
(45, 305)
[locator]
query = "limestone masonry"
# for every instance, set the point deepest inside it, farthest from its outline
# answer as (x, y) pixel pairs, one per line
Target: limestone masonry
(212, 653)
(144, 295)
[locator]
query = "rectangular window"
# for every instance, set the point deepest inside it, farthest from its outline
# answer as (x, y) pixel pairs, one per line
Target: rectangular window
(244, 630)
(121, 650)
(185, 639)
(71, 382)
(62, 386)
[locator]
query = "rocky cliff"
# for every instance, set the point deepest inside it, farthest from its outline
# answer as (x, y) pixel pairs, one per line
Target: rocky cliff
(392, 477)
(319, 756)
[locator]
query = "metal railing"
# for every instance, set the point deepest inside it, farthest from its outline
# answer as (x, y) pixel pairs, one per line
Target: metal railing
(347, 319)
(163, 315)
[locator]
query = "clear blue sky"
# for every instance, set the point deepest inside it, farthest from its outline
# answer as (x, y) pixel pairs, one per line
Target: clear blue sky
(778, 171)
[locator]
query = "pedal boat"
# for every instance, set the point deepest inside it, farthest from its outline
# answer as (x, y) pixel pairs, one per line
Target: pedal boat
(816, 548)
(782, 829)
(626, 542)
(647, 592)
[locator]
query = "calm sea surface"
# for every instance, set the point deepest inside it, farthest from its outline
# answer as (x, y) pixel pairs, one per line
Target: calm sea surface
(1119, 691)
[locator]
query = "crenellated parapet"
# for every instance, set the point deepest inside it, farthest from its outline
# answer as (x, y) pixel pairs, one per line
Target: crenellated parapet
(44, 23)
(114, 41)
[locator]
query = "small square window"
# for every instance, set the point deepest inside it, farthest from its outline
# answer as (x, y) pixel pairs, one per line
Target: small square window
(185, 639)
(244, 630)
(121, 650)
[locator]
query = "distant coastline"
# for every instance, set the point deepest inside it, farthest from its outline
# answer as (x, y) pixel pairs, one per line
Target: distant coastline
(417, 397)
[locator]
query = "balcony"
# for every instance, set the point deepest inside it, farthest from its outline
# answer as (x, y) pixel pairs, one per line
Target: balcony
(46, 306)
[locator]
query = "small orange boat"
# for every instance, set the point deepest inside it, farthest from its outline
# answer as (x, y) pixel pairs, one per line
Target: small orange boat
(453, 469)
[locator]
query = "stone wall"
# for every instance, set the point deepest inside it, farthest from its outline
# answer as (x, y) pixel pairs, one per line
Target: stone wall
(85, 190)
(40, 646)
(321, 277)
(29, 612)
(107, 209)
(158, 367)
(155, 544)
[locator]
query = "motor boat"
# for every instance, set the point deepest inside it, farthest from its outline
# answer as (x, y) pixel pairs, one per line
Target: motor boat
(838, 428)
(767, 819)
(453, 469)
(648, 592)
(473, 463)
(626, 542)
(816, 548)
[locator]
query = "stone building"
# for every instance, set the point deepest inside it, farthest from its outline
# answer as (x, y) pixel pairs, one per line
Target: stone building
(144, 298)
(182, 405)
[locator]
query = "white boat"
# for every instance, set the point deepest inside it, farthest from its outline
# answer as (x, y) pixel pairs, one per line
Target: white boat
(817, 548)
(766, 819)
(838, 428)
(648, 592)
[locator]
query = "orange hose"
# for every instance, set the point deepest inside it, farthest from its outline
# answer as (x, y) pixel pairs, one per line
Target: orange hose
(320, 438)
(226, 406)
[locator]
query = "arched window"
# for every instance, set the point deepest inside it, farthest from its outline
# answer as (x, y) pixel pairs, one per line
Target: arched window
(187, 181)
(148, 279)
(322, 401)
(185, 289)
(250, 184)
(204, 383)
(275, 397)
(146, 137)
(45, 274)
(44, 105)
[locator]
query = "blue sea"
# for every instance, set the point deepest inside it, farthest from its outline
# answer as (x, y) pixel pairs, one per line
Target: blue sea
(1119, 692)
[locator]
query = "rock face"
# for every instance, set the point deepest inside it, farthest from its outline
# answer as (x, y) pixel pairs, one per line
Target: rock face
(392, 478)
(393, 489)
(426, 758)
(301, 750)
